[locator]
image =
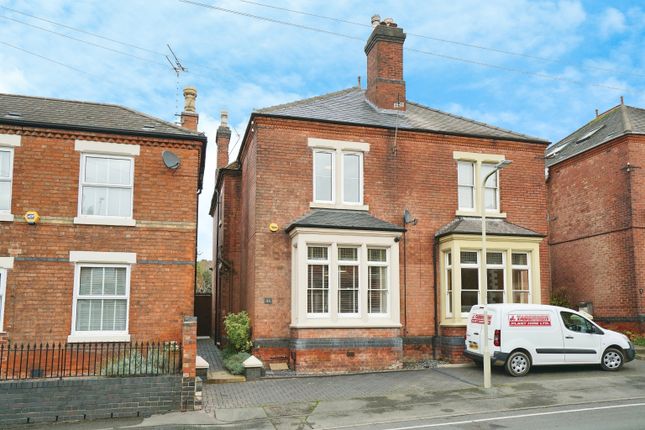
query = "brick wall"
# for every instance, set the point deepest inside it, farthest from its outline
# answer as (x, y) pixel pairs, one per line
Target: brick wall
(40, 286)
(49, 401)
(596, 211)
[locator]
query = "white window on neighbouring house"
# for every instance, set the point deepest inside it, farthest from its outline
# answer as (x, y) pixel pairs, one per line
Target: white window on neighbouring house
(466, 185)
(106, 186)
(3, 293)
(469, 280)
(318, 280)
(6, 176)
(102, 293)
(377, 294)
(521, 279)
(491, 189)
(348, 281)
(495, 277)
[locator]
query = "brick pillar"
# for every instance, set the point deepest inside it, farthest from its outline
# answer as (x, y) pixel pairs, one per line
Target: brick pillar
(222, 139)
(189, 343)
(4, 339)
(189, 356)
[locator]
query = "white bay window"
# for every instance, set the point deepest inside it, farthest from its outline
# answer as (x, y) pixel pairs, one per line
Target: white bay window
(344, 278)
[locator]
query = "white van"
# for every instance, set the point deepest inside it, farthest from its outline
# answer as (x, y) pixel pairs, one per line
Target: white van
(521, 336)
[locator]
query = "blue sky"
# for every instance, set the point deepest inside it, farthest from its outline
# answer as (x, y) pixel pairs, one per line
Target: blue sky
(571, 57)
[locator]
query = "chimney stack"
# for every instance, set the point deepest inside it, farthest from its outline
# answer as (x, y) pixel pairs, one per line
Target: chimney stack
(222, 139)
(384, 50)
(189, 117)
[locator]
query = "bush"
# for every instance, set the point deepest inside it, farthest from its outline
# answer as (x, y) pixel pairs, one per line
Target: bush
(234, 363)
(560, 298)
(238, 331)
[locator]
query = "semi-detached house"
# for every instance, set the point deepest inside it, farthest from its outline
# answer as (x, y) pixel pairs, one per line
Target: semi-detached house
(349, 226)
(97, 233)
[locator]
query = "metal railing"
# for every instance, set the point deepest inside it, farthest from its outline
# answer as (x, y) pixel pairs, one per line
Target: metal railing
(61, 360)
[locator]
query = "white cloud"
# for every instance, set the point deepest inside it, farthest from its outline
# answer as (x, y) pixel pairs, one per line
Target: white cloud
(611, 22)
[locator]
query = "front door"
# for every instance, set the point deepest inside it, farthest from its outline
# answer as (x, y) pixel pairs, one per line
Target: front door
(581, 339)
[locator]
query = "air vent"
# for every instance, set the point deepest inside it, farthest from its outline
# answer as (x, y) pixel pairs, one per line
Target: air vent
(148, 127)
(13, 115)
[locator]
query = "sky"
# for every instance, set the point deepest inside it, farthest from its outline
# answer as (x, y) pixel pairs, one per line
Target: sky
(536, 67)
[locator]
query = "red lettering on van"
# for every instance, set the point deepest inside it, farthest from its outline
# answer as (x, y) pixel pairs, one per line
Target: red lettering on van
(529, 320)
(479, 319)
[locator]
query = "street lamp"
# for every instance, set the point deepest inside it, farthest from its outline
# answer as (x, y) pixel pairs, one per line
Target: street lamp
(486, 353)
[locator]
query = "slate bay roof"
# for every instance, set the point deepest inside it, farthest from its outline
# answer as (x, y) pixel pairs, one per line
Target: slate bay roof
(351, 106)
(494, 227)
(343, 219)
(71, 114)
(616, 122)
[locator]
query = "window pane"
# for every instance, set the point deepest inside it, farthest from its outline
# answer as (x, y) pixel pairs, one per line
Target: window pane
(494, 258)
(495, 296)
(119, 202)
(520, 297)
(376, 255)
(351, 178)
(449, 291)
(323, 176)
(490, 198)
(520, 259)
(5, 195)
(449, 257)
(119, 172)
(120, 314)
(495, 285)
(348, 254)
(520, 279)
(120, 281)
(465, 173)
(94, 201)
(318, 289)
(317, 252)
(469, 257)
(5, 165)
(109, 285)
(469, 279)
(468, 299)
(96, 314)
(377, 294)
(108, 314)
(348, 289)
(96, 170)
(83, 315)
(466, 197)
(485, 170)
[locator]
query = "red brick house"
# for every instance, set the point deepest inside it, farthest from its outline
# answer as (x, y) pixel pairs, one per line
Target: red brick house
(596, 197)
(310, 236)
(112, 255)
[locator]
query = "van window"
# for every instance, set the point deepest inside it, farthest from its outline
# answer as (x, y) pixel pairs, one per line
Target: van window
(577, 323)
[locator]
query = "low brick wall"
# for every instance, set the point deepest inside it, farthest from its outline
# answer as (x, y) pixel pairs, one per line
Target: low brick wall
(58, 400)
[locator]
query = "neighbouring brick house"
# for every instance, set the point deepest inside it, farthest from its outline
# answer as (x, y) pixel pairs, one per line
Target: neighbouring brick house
(112, 257)
(596, 197)
(310, 236)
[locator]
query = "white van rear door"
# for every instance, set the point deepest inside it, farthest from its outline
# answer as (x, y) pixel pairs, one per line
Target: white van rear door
(475, 330)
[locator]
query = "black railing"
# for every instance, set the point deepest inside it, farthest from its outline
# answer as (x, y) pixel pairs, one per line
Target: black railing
(61, 360)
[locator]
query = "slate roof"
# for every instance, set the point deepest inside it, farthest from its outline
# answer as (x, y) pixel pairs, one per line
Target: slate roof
(494, 227)
(351, 106)
(343, 219)
(616, 122)
(71, 114)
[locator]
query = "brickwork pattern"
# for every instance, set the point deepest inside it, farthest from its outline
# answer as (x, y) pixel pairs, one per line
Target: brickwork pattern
(49, 401)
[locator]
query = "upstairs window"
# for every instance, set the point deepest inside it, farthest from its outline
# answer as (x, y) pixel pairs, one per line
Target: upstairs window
(106, 186)
(491, 189)
(466, 185)
(472, 168)
(324, 177)
(352, 178)
(6, 158)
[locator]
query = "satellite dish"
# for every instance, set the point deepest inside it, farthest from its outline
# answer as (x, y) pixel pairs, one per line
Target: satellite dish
(407, 218)
(170, 160)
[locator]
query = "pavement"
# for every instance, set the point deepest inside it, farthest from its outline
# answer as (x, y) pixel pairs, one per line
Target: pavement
(404, 399)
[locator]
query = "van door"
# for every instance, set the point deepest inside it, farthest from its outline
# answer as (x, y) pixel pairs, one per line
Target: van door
(475, 331)
(536, 330)
(582, 341)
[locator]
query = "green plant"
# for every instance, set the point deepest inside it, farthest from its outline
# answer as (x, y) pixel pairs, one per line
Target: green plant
(640, 341)
(560, 298)
(234, 363)
(238, 331)
(135, 363)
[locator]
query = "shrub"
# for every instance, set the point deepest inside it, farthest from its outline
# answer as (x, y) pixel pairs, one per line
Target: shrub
(238, 331)
(560, 298)
(234, 363)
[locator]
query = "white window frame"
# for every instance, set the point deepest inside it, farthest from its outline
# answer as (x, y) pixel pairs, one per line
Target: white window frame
(100, 259)
(526, 267)
(360, 178)
(106, 150)
(339, 149)
(355, 263)
(333, 176)
(326, 263)
(385, 264)
(478, 159)
(493, 266)
(3, 293)
(449, 280)
(7, 143)
(303, 237)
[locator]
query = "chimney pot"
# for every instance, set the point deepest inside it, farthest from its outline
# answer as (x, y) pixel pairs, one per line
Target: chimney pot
(376, 20)
(190, 94)
(224, 119)
(389, 22)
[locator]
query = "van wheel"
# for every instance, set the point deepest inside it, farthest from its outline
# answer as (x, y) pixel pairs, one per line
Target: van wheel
(518, 363)
(612, 359)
